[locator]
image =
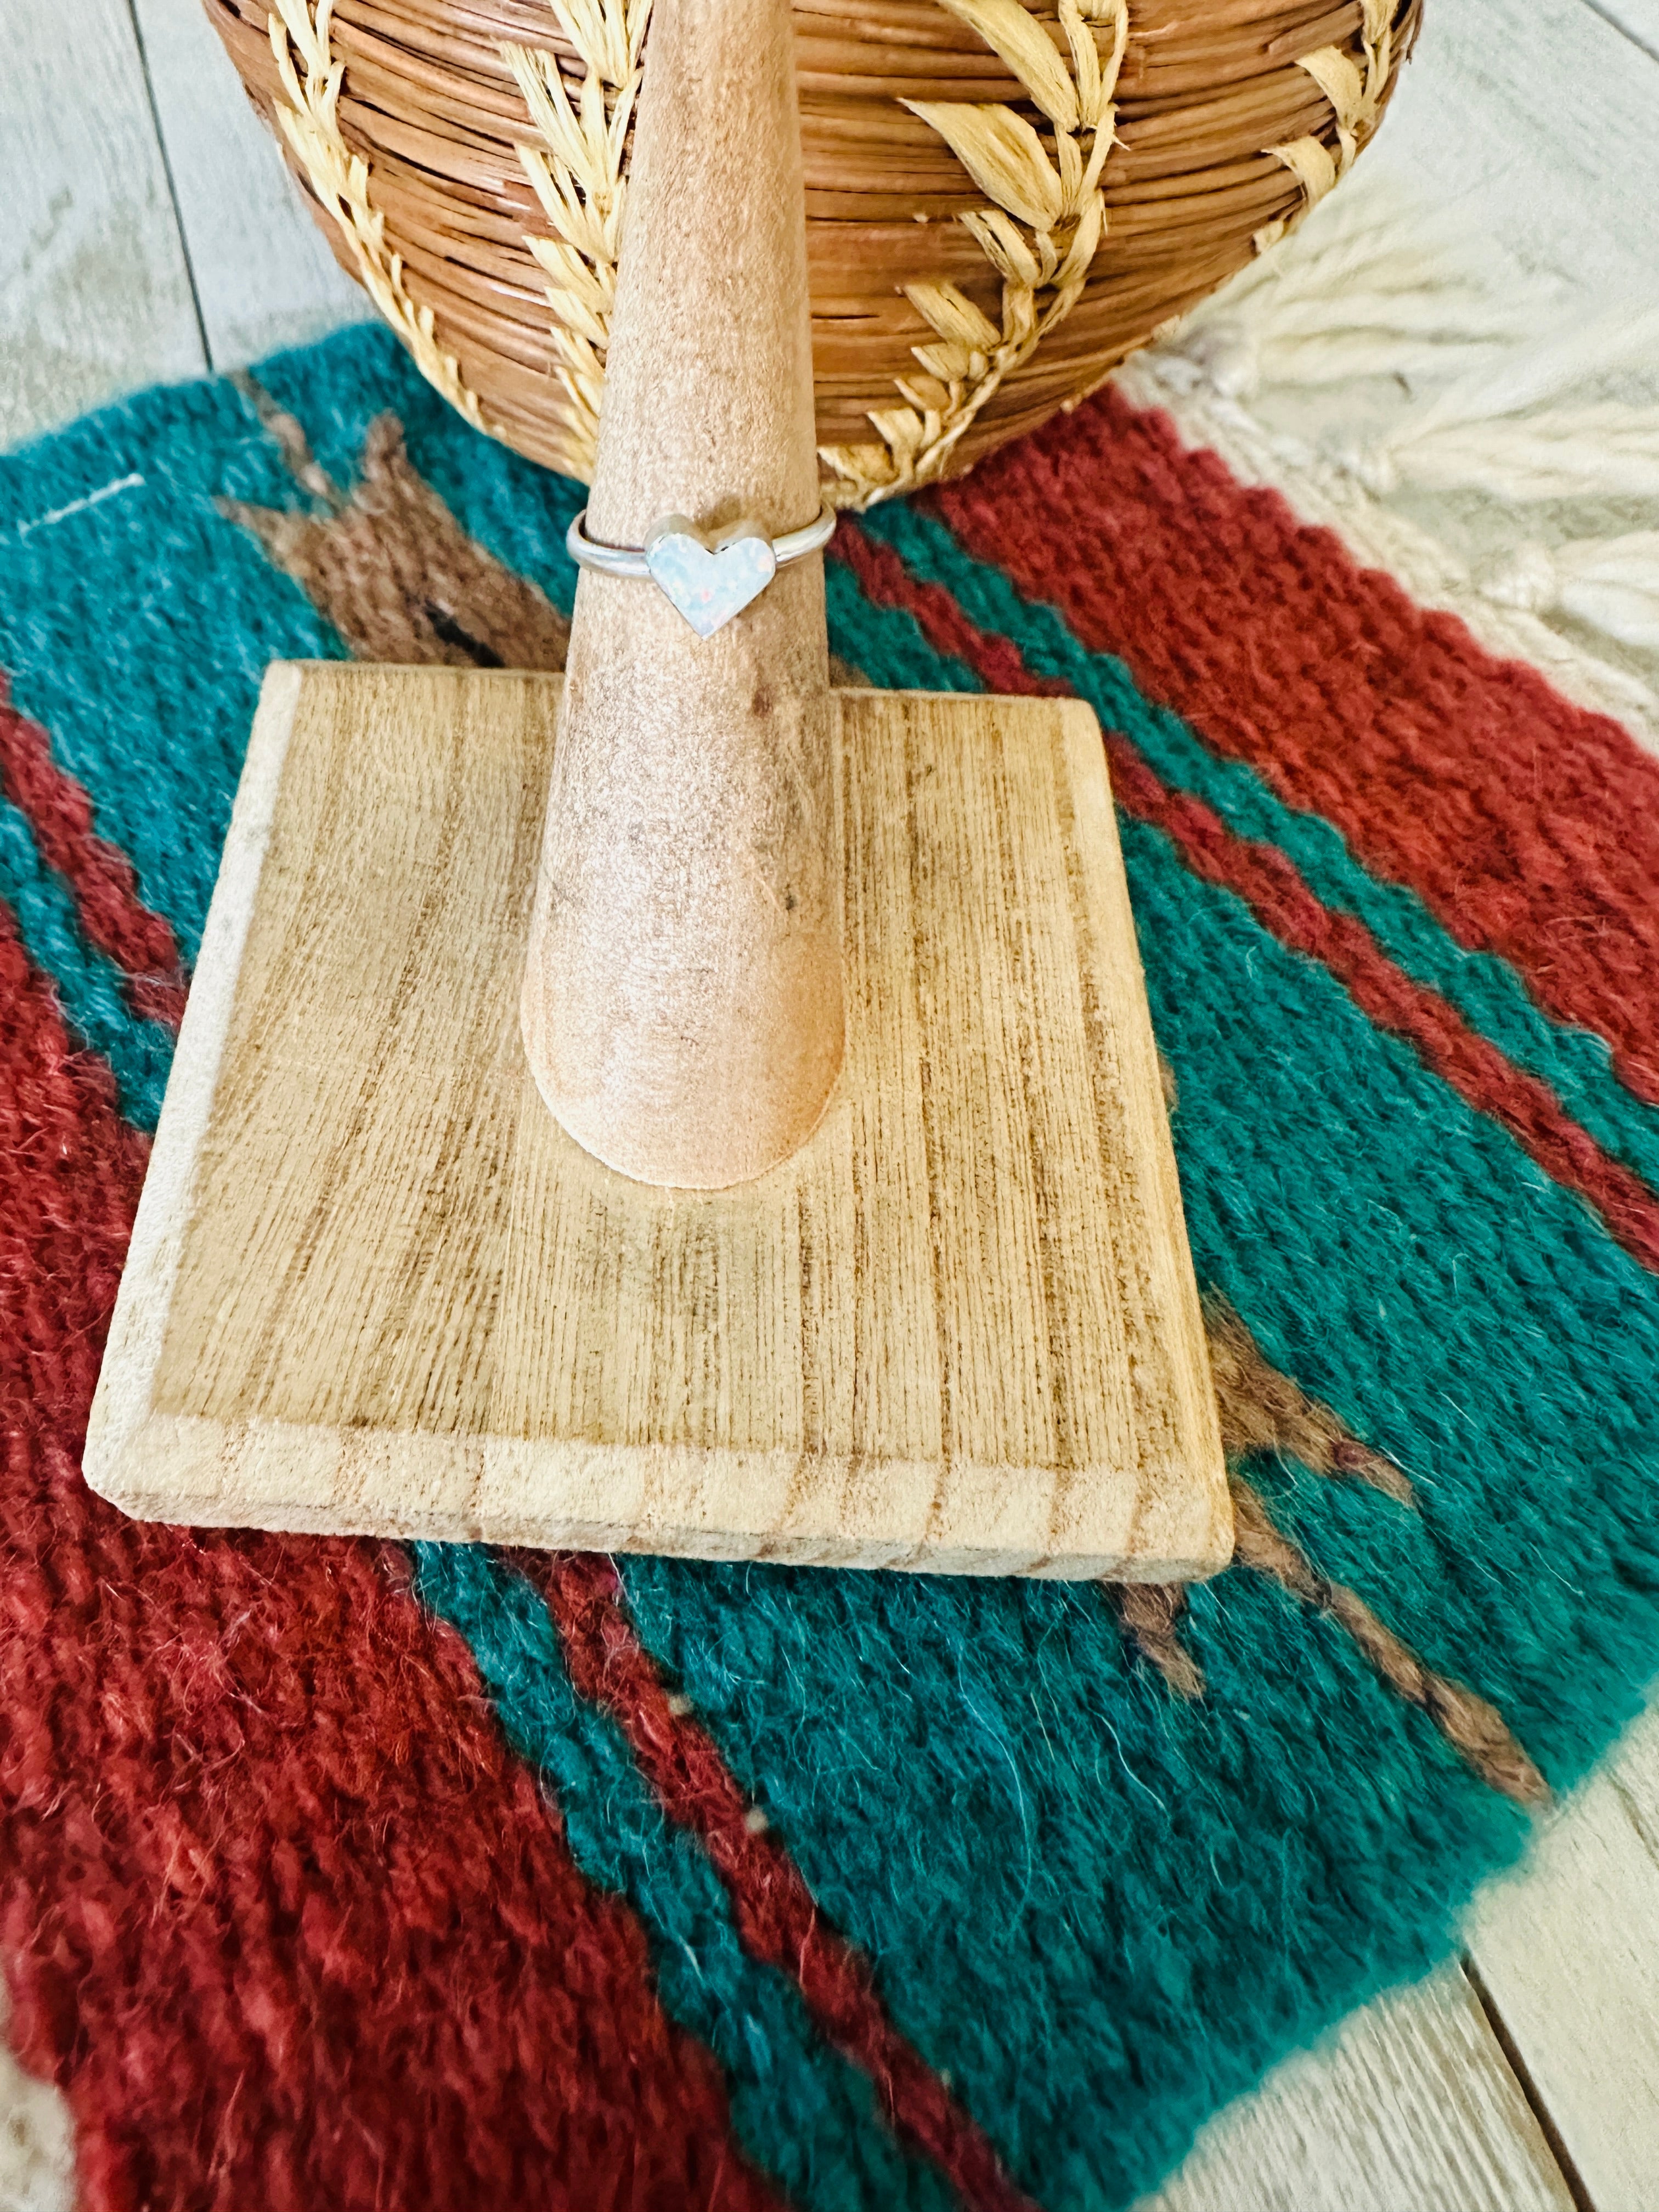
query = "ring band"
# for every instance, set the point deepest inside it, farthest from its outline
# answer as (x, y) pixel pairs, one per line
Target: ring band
(630, 560)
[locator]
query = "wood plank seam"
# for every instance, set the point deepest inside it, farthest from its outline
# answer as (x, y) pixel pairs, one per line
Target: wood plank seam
(1537, 2103)
(172, 190)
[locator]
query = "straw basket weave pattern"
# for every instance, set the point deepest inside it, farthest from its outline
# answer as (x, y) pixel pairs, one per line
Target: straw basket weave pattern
(1002, 200)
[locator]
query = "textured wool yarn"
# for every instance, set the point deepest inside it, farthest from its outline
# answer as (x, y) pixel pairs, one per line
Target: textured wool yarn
(338, 1874)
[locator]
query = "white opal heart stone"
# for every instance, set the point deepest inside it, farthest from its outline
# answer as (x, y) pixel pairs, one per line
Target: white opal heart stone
(709, 587)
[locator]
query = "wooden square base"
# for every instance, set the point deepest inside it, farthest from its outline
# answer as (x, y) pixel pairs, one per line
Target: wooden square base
(375, 1287)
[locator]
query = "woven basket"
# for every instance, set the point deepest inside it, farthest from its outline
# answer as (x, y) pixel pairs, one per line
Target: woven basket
(979, 258)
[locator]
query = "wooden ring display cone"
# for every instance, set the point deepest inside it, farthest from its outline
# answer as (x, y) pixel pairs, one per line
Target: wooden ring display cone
(853, 1235)
(682, 1003)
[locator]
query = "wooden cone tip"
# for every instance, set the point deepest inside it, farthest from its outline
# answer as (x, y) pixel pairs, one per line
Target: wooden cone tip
(683, 999)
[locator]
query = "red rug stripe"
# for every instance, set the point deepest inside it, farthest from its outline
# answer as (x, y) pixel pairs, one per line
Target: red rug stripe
(1273, 888)
(280, 1913)
(1529, 825)
(883, 579)
(776, 1914)
(114, 917)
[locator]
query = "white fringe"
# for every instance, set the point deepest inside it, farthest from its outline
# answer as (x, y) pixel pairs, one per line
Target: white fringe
(1373, 285)
(37, 2142)
(1610, 584)
(1482, 378)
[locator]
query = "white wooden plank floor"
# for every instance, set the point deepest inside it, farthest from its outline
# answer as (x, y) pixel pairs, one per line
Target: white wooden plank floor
(1539, 122)
(1410, 2107)
(152, 234)
(263, 276)
(94, 288)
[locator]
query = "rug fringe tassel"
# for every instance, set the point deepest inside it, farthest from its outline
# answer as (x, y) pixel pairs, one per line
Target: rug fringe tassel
(1384, 296)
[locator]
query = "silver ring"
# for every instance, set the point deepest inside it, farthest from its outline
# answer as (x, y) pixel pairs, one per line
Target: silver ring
(634, 560)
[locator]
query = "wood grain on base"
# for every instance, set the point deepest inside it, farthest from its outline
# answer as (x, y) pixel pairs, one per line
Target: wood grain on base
(374, 1286)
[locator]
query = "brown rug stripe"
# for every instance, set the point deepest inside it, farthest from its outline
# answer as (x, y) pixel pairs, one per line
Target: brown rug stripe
(1263, 1409)
(394, 572)
(1469, 1724)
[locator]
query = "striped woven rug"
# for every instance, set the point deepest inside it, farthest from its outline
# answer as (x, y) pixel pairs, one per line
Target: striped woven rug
(343, 1874)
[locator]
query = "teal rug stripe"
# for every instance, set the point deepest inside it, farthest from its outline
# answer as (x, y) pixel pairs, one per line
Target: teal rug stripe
(1047, 1855)
(90, 987)
(1491, 997)
(884, 643)
(802, 2113)
(992, 1815)
(137, 631)
(1101, 1910)
(1242, 1019)
(1043, 1850)
(1469, 1359)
